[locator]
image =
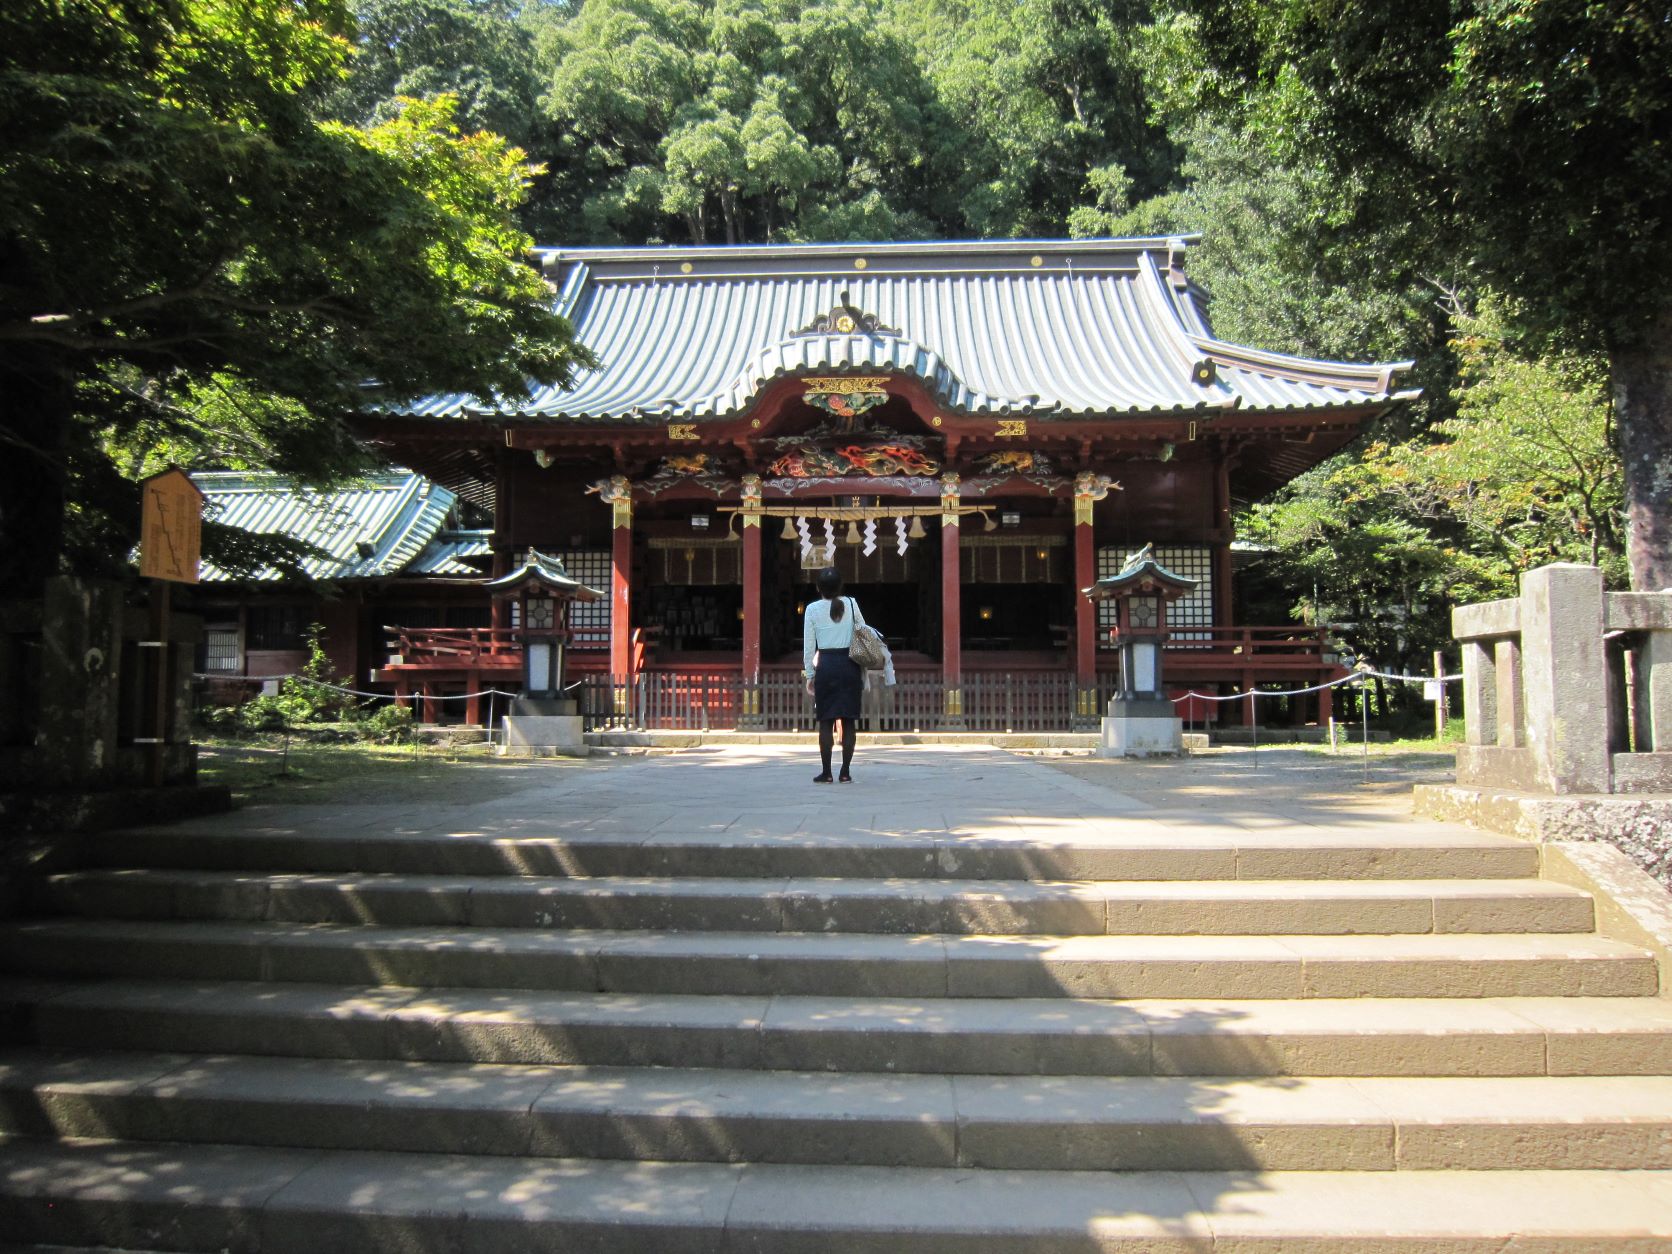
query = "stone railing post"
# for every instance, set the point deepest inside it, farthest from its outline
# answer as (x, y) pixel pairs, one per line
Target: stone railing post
(1564, 678)
(1480, 693)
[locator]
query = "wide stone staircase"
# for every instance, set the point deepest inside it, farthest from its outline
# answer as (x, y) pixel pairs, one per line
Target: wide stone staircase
(1290, 1039)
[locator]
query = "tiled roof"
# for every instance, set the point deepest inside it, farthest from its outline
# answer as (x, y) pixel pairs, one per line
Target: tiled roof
(443, 555)
(376, 526)
(1042, 327)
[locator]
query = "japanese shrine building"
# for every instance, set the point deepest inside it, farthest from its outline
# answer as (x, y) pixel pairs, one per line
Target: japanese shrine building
(982, 428)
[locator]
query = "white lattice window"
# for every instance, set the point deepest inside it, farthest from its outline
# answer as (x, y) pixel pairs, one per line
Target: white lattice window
(220, 649)
(589, 621)
(1194, 609)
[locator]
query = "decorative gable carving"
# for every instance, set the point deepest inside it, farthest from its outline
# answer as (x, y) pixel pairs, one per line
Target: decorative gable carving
(846, 319)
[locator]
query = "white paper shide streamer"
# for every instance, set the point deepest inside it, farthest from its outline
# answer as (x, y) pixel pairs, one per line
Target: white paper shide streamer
(900, 535)
(829, 542)
(870, 546)
(806, 537)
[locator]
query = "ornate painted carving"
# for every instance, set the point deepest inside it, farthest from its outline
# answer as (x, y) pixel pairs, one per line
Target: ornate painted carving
(682, 431)
(704, 469)
(1011, 428)
(751, 485)
(808, 461)
(617, 493)
(845, 398)
(1089, 488)
(1014, 462)
(845, 318)
(950, 483)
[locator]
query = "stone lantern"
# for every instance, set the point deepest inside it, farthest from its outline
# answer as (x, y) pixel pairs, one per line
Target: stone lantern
(1141, 719)
(543, 718)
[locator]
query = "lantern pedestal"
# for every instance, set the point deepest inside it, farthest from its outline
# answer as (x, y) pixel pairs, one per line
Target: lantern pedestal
(1141, 722)
(1141, 729)
(544, 735)
(542, 721)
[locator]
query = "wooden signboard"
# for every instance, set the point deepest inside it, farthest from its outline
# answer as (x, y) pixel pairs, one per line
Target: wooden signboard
(171, 527)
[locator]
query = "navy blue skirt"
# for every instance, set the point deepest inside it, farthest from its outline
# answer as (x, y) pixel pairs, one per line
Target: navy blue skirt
(837, 685)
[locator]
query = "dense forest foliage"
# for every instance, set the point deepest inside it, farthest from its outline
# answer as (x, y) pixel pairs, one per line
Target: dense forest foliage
(1481, 186)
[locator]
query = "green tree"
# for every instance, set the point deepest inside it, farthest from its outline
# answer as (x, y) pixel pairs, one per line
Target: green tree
(473, 50)
(1527, 466)
(1524, 140)
(1047, 112)
(733, 121)
(177, 222)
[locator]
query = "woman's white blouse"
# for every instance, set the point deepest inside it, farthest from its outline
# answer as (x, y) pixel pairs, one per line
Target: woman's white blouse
(818, 632)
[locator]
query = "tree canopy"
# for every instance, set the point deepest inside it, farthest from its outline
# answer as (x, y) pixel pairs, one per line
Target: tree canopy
(184, 236)
(1524, 143)
(219, 219)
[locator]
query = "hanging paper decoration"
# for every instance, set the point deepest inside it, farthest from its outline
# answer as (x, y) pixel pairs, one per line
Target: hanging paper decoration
(830, 541)
(806, 537)
(870, 537)
(900, 533)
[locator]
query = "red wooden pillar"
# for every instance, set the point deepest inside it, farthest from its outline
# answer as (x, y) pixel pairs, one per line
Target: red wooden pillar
(1086, 713)
(1223, 615)
(750, 714)
(952, 626)
(500, 607)
(621, 590)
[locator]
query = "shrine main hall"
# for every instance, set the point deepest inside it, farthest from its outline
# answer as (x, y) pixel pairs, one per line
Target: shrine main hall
(971, 432)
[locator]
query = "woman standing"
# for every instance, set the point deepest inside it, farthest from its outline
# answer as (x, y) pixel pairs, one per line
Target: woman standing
(834, 679)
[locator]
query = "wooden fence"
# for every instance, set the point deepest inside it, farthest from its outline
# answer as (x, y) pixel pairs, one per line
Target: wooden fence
(993, 701)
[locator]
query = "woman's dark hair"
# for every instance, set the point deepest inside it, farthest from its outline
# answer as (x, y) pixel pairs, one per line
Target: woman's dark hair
(829, 584)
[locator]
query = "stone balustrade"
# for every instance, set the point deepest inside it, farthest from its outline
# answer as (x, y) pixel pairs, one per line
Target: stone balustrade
(1567, 688)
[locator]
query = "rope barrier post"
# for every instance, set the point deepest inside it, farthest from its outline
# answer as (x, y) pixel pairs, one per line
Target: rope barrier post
(1333, 746)
(1439, 698)
(1364, 712)
(1254, 727)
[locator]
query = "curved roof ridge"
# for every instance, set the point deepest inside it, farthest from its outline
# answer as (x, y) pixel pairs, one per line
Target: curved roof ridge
(1343, 374)
(555, 254)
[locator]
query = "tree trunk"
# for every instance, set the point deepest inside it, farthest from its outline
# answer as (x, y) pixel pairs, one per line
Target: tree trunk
(36, 408)
(1642, 379)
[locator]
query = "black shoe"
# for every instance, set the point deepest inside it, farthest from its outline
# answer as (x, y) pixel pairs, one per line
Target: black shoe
(845, 778)
(823, 779)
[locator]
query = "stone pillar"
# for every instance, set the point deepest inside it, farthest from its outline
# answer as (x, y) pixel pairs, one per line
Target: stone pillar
(1654, 701)
(1086, 711)
(1480, 693)
(750, 714)
(1564, 678)
(80, 662)
(1507, 695)
(952, 626)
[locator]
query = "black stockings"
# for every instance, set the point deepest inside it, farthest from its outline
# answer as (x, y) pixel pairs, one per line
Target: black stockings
(827, 741)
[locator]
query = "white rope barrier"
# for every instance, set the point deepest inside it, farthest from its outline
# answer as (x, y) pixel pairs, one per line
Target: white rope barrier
(353, 692)
(1355, 677)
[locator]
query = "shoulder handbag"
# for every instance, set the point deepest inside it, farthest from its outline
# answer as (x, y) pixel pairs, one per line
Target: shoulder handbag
(867, 649)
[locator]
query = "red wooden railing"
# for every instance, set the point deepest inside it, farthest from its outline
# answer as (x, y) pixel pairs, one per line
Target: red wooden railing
(709, 696)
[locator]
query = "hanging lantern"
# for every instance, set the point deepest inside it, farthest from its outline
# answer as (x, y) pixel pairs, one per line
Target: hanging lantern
(788, 533)
(853, 532)
(917, 532)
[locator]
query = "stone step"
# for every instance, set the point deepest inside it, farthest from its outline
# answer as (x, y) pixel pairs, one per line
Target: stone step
(1003, 907)
(279, 1201)
(1057, 1036)
(1077, 1123)
(840, 964)
(1115, 849)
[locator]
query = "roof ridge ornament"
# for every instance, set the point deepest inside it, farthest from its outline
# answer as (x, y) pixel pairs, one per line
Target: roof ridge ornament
(846, 318)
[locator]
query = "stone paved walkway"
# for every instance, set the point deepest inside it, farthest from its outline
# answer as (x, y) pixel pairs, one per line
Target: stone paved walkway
(767, 789)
